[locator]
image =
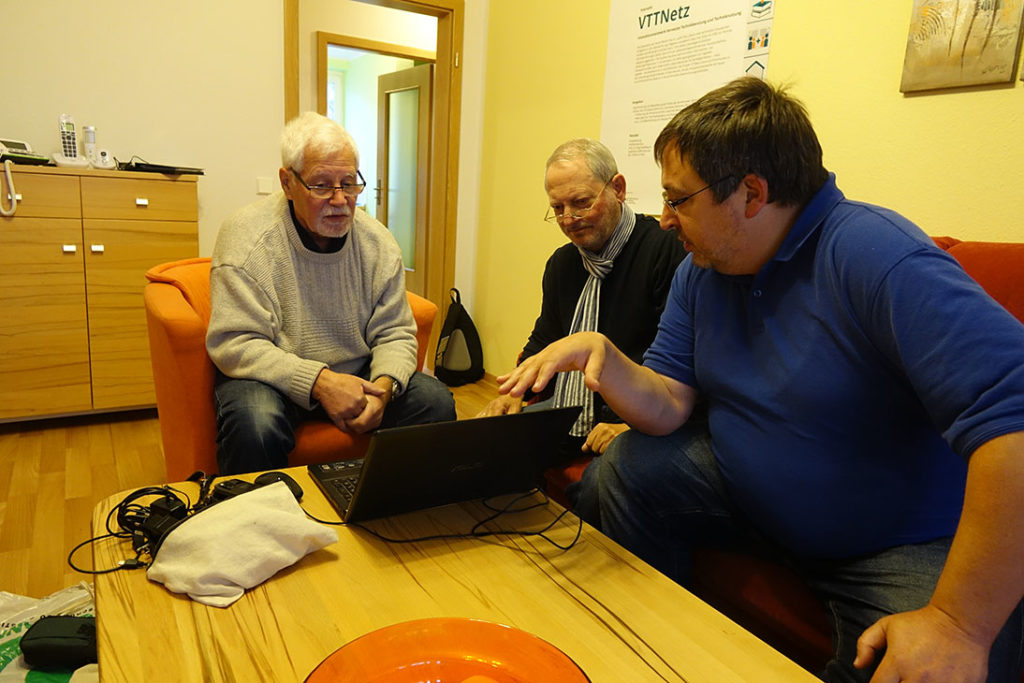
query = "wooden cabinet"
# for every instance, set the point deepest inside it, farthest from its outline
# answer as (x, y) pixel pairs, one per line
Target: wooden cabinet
(72, 262)
(44, 335)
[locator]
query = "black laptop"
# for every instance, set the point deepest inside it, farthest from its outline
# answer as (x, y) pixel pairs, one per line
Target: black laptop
(422, 466)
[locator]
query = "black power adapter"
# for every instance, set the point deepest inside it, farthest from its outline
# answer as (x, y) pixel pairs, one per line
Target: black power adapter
(230, 488)
(164, 514)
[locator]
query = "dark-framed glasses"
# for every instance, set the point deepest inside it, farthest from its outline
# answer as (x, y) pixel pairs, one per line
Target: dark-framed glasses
(575, 212)
(673, 203)
(327, 191)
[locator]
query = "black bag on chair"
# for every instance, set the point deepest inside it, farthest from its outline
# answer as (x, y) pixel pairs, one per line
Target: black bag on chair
(460, 358)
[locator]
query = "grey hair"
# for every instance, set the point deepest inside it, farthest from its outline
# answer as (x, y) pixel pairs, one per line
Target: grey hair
(598, 158)
(314, 133)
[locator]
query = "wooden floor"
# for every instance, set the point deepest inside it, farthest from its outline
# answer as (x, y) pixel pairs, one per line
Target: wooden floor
(53, 472)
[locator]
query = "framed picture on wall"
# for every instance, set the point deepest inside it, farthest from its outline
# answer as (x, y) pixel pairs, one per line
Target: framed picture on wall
(955, 43)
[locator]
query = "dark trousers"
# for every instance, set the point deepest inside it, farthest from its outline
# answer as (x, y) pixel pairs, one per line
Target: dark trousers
(256, 423)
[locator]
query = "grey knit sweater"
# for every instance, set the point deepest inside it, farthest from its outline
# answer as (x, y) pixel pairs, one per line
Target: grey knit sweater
(281, 313)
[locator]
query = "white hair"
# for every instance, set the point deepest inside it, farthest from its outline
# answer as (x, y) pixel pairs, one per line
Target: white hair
(314, 133)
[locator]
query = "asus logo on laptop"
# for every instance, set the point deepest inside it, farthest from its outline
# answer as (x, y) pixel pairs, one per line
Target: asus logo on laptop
(467, 467)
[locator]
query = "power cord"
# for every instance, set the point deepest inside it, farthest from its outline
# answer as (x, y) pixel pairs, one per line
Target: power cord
(127, 563)
(145, 525)
(148, 522)
(139, 523)
(476, 531)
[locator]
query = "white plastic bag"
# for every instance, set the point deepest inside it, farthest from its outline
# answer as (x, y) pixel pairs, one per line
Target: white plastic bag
(18, 612)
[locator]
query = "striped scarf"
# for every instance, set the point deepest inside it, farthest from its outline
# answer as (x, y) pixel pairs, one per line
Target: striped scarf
(569, 387)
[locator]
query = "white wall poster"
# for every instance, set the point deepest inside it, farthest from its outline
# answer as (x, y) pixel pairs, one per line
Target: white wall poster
(662, 57)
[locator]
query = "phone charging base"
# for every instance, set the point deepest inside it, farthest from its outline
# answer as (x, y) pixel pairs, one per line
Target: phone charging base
(70, 162)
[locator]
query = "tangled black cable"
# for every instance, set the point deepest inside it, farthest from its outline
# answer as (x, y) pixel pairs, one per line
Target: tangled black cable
(130, 516)
(477, 531)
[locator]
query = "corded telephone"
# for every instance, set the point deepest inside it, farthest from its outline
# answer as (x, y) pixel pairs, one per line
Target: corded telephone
(20, 152)
(14, 151)
(17, 152)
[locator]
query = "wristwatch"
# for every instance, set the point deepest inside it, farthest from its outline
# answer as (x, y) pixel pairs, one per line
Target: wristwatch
(395, 386)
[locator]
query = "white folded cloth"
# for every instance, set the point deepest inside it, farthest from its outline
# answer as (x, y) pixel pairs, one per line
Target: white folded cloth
(237, 544)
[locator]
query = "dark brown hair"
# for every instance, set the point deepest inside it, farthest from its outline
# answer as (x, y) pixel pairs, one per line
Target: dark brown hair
(748, 126)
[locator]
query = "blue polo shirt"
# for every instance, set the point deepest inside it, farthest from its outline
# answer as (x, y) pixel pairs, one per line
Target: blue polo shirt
(848, 380)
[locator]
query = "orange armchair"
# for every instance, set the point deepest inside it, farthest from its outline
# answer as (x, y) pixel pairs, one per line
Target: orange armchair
(177, 299)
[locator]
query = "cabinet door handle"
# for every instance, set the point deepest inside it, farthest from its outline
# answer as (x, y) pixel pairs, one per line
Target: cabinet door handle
(141, 201)
(96, 248)
(17, 196)
(69, 248)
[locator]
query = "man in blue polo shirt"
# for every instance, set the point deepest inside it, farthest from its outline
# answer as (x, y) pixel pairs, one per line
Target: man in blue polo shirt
(826, 387)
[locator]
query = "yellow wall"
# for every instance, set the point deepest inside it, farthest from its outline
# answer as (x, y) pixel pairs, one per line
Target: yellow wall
(951, 161)
(948, 160)
(544, 84)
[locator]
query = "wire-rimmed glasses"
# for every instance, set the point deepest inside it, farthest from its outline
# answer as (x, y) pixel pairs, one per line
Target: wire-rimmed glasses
(577, 212)
(327, 191)
(673, 203)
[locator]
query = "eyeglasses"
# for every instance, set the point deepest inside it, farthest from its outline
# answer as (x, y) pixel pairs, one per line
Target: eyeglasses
(574, 213)
(673, 203)
(327, 191)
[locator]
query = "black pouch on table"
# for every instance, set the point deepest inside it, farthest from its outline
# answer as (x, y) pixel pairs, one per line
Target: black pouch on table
(60, 643)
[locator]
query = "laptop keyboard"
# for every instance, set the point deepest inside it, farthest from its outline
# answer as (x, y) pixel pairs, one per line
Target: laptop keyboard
(345, 488)
(338, 481)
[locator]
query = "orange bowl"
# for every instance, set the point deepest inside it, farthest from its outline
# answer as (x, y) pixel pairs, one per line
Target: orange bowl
(447, 650)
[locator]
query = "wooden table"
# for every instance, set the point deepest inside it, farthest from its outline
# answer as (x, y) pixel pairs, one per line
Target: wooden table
(618, 618)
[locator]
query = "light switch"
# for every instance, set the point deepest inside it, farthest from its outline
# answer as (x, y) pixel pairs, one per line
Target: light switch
(265, 185)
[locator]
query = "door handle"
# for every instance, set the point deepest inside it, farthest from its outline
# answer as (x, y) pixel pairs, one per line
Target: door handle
(96, 248)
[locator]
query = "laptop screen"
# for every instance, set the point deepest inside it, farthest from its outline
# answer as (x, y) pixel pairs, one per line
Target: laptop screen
(421, 466)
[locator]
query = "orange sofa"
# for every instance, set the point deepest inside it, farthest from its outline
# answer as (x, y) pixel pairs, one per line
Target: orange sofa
(177, 299)
(772, 601)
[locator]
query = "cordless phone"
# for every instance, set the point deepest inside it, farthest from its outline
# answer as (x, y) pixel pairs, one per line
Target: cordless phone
(68, 137)
(68, 154)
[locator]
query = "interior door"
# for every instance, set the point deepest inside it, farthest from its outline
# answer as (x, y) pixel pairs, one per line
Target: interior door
(403, 165)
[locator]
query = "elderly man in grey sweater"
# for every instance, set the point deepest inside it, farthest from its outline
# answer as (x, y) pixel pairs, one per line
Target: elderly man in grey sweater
(309, 311)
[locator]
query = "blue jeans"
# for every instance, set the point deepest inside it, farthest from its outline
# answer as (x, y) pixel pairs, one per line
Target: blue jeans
(256, 423)
(661, 496)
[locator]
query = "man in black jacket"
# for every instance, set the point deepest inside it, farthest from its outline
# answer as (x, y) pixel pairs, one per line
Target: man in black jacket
(613, 278)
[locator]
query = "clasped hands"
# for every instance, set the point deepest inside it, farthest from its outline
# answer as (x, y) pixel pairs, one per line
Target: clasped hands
(353, 404)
